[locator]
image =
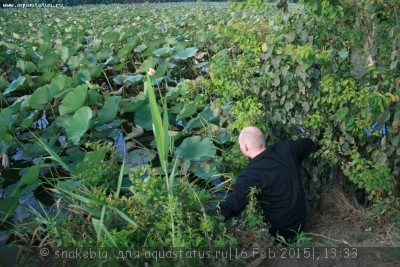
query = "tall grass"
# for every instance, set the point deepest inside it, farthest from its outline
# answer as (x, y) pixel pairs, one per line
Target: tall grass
(163, 143)
(87, 201)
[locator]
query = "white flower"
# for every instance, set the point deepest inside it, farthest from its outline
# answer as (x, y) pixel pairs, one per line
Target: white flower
(151, 71)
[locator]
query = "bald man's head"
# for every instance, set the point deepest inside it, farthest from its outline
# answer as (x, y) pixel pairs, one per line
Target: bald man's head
(251, 141)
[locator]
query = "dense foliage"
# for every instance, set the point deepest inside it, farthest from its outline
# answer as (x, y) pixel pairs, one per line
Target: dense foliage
(325, 70)
(83, 118)
(358, 101)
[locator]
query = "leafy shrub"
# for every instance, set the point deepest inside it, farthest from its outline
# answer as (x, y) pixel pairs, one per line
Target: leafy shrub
(307, 73)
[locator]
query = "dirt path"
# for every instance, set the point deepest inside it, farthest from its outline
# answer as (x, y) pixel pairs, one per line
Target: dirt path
(342, 238)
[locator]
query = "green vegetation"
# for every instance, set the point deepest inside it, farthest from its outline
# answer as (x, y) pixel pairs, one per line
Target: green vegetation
(136, 158)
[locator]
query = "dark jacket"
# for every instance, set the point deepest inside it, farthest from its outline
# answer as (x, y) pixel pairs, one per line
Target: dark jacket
(276, 171)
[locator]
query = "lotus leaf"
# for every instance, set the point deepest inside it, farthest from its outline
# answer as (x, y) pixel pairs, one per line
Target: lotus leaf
(148, 63)
(5, 118)
(15, 85)
(188, 110)
(133, 104)
(79, 124)
(109, 111)
(42, 97)
(162, 51)
(74, 100)
(26, 66)
(143, 117)
(196, 148)
(185, 54)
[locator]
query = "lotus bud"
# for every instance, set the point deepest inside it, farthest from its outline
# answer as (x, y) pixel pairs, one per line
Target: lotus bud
(5, 160)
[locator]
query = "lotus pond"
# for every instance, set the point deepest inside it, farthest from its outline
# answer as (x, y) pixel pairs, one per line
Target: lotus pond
(118, 122)
(78, 125)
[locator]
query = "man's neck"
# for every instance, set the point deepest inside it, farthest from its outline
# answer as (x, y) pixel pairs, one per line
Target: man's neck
(257, 152)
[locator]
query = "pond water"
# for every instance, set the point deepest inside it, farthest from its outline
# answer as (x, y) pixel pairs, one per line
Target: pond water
(22, 213)
(32, 199)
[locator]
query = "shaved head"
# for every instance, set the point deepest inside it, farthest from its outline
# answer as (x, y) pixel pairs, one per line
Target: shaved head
(251, 141)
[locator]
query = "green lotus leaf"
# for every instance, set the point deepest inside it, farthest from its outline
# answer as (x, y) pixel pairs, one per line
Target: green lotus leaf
(110, 61)
(42, 96)
(30, 177)
(79, 124)
(185, 54)
(188, 110)
(110, 37)
(14, 85)
(104, 54)
(5, 118)
(126, 50)
(143, 117)
(26, 66)
(134, 103)
(93, 97)
(109, 110)
(149, 51)
(148, 63)
(172, 93)
(3, 83)
(61, 81)
(28, 121)
(205, 170)
(162, 51)
(141, 156)
(27, 184)
(119, 79)
(161, 70)
(73, 62)
(204, 117)
(48, 61)
(134, 79)
(196, 148)
(74, 100)
(63, 52)
(140, 48)
(7, 207)
(82, 77)
(180, 37)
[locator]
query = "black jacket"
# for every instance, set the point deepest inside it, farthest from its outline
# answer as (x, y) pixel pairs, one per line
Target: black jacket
(276, 171)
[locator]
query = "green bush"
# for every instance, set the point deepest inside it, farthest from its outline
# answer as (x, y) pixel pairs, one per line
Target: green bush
(307, 73)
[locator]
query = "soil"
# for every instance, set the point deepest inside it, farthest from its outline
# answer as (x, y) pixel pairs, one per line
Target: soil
(341, 237)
